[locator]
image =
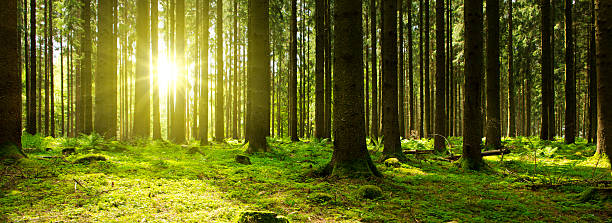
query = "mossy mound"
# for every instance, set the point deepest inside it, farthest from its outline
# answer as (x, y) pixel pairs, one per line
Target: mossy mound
(243, 160)
(260, 217)
(596, 194)
(392, 162)
(89, 158)
(369, 192)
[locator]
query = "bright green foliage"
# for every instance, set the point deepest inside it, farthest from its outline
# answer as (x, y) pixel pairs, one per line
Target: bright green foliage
(158, 181)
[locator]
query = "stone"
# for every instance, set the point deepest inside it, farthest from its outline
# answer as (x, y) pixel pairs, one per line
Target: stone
(243, 160)
(392, 162)
(260, 217)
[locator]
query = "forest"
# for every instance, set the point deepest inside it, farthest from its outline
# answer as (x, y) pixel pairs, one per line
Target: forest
(265, 111)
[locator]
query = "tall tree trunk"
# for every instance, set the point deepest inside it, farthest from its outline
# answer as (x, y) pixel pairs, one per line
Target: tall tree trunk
(46, 66)
(511, 78)
(219, 115)
(86, 69)
(293, 74)
(411, 109)
(179, 116)
(375, 127)
(204, 78)
(570, 77)
(592, 72)
(350, 157)
(319, 69)
(154, 59)
(235, 77)
(328, 73)
(10, 123)
(546, 72)
(105, 79)
(258, 75)
(527, 98)
(472, 113)
(493, 99)
(31, 116)
(426, 55)
(143, 95)
(440, 117)
(391, 133)
(421, 70)
(400, 70)
(51, 85)
(603, 30)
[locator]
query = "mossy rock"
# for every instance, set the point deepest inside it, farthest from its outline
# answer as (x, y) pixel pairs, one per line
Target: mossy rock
(243, 160)
(596, 194)
(260, 217)
(321, 197)
(392, 162)
(369, 192)
(90, 158)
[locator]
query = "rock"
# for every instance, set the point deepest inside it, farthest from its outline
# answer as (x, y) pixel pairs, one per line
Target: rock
(68, 151)
(260, 217)
(369, 192)
(90, 158)
(392, 162)
(243, 159)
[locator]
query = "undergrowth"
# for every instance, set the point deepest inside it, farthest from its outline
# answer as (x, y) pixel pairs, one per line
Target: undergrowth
(157, 181)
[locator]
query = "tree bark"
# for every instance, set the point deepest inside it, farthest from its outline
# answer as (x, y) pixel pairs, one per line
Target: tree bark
(155, 72)
(592, 72)
(440, 115)
(375, 127)
(472, 113)
(219, 105)
(545, 132)
(10, 93)
(258, 75)
(31, 115)
(570, 77)
(400, 71)
(293, 74)
(603, 34)
(493, 99)
(350, 157)
(204, 75)
(105, 80)
(142, 95)
(179, 115)
(426, 55)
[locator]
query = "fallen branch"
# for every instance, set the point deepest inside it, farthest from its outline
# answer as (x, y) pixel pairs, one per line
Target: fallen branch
(485, 153)
(571, 183)
(418, 151)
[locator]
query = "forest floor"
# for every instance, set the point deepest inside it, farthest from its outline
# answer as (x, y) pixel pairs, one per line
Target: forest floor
(155, 181)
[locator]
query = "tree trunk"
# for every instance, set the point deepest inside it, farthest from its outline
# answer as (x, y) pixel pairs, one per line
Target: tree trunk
(328, 73)
(592, 72)
(400, 70)
(493, 108)
(235, 76)
(258, 75)
(31, 116)
(391, 130)
(411, 109)
(180, 107)
(375, 127)
(570, 77)
(204, 76)
(51, 79)
(603, 32)
(545, 132)
(440, 116)
(293, 74)
(472, 113)
(10, 123)
(142, 110)
(426, 55)
(319, 69)
(105, 80)
(511, 78)
(219, 113)
(86, 69)
(155, 72)
(350, 157)
(421, 70)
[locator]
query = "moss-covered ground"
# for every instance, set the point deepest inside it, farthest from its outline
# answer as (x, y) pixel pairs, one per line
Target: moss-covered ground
(155, 181)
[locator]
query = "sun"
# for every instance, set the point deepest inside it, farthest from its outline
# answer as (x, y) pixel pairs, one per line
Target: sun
(166, 71)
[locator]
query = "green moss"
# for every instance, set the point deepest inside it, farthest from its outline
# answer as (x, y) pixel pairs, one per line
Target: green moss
(260, 217)
(392, 162)
(369, 192)
(88, 158)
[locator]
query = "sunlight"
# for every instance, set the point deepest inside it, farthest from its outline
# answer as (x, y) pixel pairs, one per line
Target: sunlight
(166, 70)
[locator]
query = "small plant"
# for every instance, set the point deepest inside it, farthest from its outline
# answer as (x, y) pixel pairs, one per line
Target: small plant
(35, 142)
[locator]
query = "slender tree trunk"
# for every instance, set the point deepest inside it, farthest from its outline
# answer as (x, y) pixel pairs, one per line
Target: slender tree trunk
(350, 157)
(493, 99)
(400, 70)
(258, 75)
(31, 120)
(546, 71)
(328, 72)
(511, 78)
(293, 74)
(86, 68)
(421, 70)
(51, 85)
(154, 59)
(204, 78)
(235, 79)
(411, 109)
(219, 113)
(46, 66)
(603, 31)
(426, 55)
(472, 113)
(570, 77)
(440, 128)
(319, 69)
(143, 95)
(592, 72)
(375, 127)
